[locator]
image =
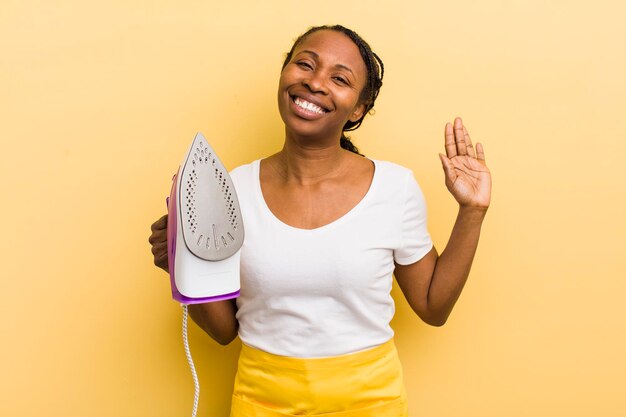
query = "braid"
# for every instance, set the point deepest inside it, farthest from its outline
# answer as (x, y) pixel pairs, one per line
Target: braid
(346, 143)
(375, 72)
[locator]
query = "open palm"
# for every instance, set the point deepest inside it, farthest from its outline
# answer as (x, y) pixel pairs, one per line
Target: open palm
(467, 177)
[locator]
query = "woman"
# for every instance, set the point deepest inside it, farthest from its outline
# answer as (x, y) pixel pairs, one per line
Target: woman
(325, 230)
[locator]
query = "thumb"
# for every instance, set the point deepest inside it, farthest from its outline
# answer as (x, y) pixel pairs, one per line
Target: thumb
(448, 169)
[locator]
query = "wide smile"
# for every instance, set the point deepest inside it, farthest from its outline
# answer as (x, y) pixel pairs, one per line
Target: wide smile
(306, 108)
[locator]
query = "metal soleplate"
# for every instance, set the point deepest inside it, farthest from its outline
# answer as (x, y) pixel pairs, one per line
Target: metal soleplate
(209, 210)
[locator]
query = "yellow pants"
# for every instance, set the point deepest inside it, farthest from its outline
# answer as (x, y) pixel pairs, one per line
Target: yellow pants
(363, 384)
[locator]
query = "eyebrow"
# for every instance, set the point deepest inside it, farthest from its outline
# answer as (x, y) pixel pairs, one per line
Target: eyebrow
(336, 65)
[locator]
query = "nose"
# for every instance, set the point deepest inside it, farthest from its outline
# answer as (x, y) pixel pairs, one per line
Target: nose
(315, 82)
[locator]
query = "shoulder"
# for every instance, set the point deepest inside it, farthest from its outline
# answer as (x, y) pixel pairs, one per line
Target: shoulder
(390, 171)
(242, 170)
(243, 176)
(398, 182)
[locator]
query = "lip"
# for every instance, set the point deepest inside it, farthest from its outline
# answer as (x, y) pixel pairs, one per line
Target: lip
(310, 99)
(304, 113)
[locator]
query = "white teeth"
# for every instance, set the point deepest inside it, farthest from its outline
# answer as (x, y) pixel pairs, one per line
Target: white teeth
(309, 106)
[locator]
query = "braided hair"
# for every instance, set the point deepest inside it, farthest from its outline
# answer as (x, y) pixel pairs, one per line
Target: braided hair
(375, 72)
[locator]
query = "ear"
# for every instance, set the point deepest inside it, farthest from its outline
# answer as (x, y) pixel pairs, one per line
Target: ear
(358, 112)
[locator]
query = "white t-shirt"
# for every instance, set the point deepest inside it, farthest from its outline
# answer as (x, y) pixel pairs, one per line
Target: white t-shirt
(326, 291)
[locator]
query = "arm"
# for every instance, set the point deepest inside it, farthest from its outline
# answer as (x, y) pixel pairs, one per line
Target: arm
(217, 318)
(433, 284)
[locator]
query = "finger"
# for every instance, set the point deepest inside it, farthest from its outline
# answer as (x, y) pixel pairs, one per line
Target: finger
(450, 143)
(459, 137)
(158, 236)
(161, 262)
(468, 143)
(159, 248)
(480, 152)
(448, 169)
(159, 224)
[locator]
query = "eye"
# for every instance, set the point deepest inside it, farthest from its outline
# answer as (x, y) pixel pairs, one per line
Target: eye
(340, 79)
(304, 64)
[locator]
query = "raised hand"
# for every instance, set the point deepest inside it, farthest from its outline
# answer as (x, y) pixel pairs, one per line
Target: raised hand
(467, 177)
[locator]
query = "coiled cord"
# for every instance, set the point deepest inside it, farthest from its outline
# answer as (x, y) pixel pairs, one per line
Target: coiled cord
(196, 383)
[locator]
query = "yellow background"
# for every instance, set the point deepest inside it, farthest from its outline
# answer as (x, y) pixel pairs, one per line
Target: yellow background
(99, 101)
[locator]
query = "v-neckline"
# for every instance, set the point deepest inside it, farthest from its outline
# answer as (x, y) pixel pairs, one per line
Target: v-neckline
(256, 166)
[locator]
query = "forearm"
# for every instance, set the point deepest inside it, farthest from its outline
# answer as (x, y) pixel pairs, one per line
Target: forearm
(454, 263)
(217, 319)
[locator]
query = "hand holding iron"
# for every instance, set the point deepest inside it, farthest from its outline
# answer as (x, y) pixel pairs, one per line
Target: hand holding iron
(158, 240)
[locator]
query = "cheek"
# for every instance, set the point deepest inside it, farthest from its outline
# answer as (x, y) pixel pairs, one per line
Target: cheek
(349, 99)
(287, 76)
(283, 82)
(281, 98)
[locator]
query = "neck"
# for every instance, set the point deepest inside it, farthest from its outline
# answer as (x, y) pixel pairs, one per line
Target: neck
(309, 163)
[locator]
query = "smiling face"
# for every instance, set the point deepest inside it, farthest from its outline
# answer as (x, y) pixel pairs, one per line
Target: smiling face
(320, 87)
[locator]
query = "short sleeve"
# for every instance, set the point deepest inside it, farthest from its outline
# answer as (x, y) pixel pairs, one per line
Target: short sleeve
(415, 241)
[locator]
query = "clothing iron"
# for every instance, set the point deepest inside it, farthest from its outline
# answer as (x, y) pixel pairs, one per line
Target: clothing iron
(204, 229)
